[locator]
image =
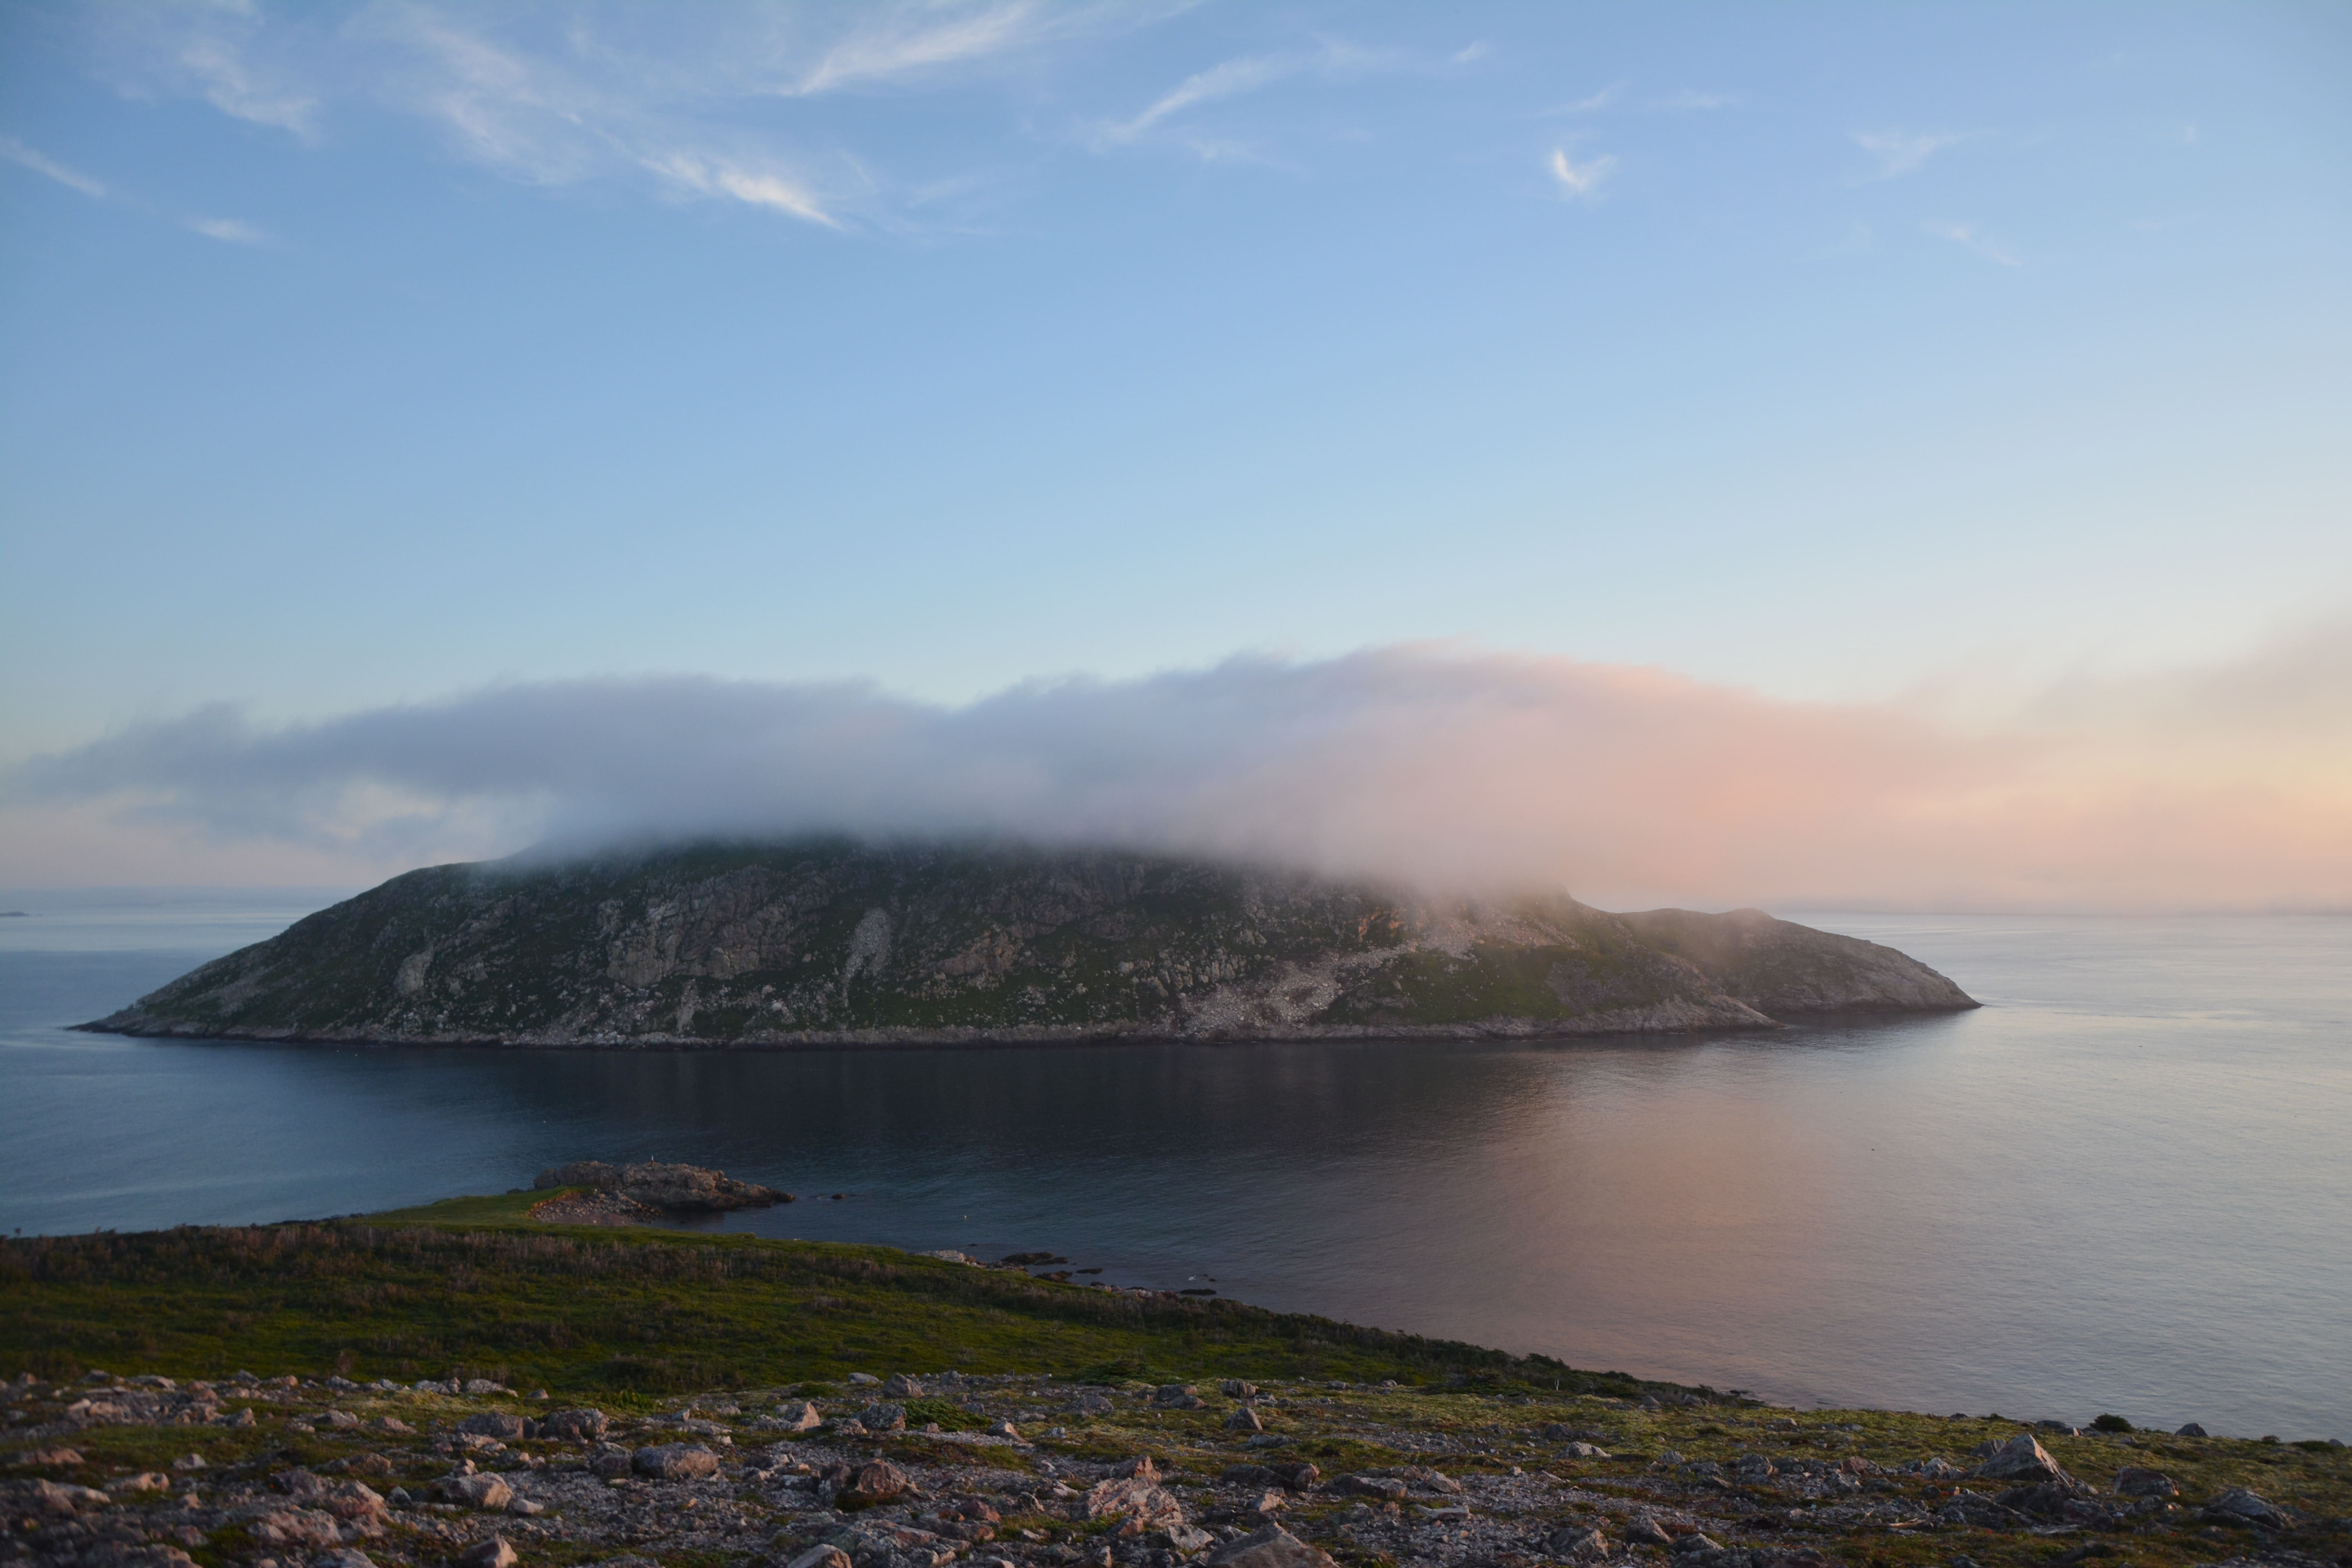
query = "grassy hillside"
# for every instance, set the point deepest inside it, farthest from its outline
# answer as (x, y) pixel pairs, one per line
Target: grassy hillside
(471, 1288)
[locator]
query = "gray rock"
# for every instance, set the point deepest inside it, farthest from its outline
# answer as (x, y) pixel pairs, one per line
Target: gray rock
(1234, 1388)
(798, 1415)
(495, 1552)
(876, 1482)
(2135, 1480)
(1177, 1397)
(1685, 1544)
(1582, 1451)
(1270, 1546)
(575, 1425)
(824, 1555)
(1578, 1542)
(610, 1460)
(675, 1462)
(2191, 1430)
(901, 1386)
(343, 1557)
(1642, 1529)
(482, 1491)
(1244, 1419)
(883, 1418)
(2237, 1504)
(863, 1377)
(2023, 1460)
(494, 1424)
(1389, 1489)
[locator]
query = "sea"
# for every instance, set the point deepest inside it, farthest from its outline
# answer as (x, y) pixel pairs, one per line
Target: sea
(2124, 1185)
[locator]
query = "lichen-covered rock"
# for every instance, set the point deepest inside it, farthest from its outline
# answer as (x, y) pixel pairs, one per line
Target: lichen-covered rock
(845, 944)
(676, 1462)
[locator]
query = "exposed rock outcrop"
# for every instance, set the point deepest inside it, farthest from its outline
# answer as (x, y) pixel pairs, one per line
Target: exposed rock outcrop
(837, 943)
(691, 1188)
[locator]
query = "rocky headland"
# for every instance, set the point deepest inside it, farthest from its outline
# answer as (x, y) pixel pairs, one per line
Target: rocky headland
(835, 943)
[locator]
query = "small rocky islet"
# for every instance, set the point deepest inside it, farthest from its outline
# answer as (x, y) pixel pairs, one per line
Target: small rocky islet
(843, 943)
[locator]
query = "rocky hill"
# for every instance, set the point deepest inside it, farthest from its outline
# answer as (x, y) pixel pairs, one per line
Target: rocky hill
(834, 943)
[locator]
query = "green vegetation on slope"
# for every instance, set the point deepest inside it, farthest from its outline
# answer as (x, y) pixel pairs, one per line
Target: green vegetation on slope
(473, 1289)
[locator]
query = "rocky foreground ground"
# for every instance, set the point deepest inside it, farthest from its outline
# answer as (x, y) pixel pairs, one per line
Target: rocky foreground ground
(926, 1471)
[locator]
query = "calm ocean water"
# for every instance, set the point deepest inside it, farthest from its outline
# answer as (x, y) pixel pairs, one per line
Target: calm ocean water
(2124, 1184)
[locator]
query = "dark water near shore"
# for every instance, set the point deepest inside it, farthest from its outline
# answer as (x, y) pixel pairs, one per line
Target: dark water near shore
(2124, 1184)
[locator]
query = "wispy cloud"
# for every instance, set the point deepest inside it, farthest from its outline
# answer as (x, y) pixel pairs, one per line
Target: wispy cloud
(16, 153)
(1901, 151)
(1581, 181)
(892, 45)
(229, 230)
(1225, 80)
(778, 192)
(1592, 103)
(1971, 237)
(2231, 784)
(560, 94)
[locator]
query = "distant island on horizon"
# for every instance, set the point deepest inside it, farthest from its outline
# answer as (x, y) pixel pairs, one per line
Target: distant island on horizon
(833, 943)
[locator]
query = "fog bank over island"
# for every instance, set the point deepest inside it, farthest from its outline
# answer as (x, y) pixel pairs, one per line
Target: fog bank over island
(1437, 767)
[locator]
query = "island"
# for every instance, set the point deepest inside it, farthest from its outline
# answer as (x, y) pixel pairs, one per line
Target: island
(837, 943)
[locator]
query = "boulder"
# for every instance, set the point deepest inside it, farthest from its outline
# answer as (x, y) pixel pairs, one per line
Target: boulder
(483, 1491)
(882, 1418)
(2022, 1459)
(675, 1462)
(2191, 1430)
(610, 1461)
(1585, 1451)
(2238, 1506)
(144, 1481)
(353, 1500)
(1644, 1529)
(494, 1424)
(1244, 1419)
(2135, 1480)
(575, 1425)
(900, 1386)
(876, 1482)
(1234, 1388)
(1177, 1397)
(297, 1527)
(495, 1552)
(1421, 1476)
(1137, 1497)
(824, 1555)
(1388, 1489)
(1577, 1542)
(797, 1415)
(1270, 1546)
(56, 1497)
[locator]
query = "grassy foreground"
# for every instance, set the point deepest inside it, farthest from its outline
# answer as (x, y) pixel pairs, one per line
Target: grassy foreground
(658, 1326)
(472, 1287)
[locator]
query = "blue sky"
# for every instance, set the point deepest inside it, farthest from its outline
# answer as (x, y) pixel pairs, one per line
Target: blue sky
(362, 354)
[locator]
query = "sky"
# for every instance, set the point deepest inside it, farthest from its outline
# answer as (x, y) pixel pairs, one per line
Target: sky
(1867, 454)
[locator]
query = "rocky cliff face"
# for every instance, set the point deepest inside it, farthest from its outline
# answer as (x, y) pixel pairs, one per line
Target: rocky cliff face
(845, 944)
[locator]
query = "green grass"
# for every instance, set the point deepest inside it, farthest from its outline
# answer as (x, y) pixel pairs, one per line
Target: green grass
(473, 1287)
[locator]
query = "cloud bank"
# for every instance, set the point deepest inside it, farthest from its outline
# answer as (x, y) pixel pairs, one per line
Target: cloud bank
(2226, 787)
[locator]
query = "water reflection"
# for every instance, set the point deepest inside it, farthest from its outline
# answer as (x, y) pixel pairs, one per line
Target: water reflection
(2058, 1205)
